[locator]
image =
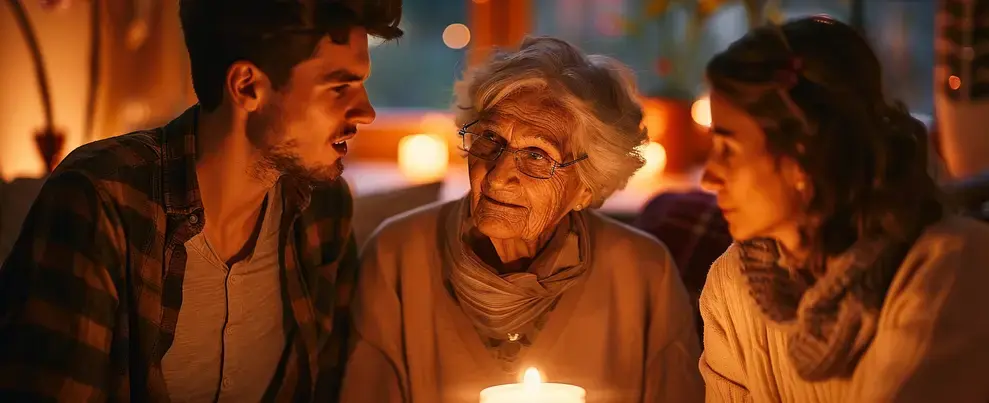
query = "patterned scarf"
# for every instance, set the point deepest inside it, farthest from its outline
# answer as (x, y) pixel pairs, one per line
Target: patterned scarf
(830, 320)
(502, 304)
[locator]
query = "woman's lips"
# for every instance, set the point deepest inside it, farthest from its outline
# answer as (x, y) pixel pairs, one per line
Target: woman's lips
(498, 203)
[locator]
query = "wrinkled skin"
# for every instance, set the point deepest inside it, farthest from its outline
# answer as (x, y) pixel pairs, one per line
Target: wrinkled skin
(518, 213)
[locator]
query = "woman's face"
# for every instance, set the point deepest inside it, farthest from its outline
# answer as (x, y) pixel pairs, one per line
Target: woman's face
(759, 194)
(507, 204)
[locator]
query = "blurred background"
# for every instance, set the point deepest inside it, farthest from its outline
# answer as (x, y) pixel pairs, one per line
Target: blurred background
(92, 69)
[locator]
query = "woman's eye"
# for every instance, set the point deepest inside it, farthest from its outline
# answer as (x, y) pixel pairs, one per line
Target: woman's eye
(489, 135)
(721, 149)
(536, 156)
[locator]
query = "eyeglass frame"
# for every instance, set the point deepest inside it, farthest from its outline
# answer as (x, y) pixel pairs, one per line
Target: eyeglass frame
(463, 146)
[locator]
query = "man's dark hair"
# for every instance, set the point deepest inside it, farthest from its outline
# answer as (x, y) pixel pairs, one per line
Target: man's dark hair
(275, 35)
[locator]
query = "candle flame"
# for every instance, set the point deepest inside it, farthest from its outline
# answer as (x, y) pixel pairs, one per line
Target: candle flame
(531, 377)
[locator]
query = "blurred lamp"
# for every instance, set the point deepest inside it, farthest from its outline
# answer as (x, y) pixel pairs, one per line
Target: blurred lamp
(700, 111)
(423, 158)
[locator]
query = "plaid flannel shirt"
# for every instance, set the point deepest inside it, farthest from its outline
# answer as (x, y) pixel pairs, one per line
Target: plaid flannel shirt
(90, 296)
(695, 232)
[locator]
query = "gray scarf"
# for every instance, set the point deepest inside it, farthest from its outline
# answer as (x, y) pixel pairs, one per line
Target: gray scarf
(830, 321)
(502, 304)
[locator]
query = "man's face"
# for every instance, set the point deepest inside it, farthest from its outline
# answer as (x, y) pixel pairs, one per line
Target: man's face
(302, 128)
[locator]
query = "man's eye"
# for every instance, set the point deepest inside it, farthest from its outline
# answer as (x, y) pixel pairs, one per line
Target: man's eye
(340, 89)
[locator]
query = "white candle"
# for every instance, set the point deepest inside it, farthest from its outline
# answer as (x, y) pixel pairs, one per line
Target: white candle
(533, 390)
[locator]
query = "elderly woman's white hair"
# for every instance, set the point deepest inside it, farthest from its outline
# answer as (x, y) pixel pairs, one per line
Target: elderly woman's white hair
(596, 91)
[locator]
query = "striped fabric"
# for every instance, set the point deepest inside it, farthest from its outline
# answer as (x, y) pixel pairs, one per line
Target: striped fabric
(90, 296)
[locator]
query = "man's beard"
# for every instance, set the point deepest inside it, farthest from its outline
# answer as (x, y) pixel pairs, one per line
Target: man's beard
(281, 158)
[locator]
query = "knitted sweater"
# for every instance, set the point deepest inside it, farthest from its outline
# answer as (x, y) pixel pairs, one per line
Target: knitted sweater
(931, 342)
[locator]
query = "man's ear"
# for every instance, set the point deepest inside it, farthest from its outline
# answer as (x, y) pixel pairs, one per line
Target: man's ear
(247, 85)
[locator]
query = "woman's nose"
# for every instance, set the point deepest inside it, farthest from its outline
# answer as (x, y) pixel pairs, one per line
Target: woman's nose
(710, 180)
(503, 170)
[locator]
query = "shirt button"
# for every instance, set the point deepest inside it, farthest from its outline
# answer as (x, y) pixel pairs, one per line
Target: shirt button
(230, 330)
(193, 219)
(226, 382)
(234, 279)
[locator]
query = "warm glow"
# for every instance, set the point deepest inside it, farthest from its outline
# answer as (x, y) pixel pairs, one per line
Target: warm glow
(134, 114)
(655, 121)
(533, 390)
(423, 158)
(434, 122)
(655, 155)
(531, 377)
(954, 82)
(700, 111)
(456, 36)
(647, 176)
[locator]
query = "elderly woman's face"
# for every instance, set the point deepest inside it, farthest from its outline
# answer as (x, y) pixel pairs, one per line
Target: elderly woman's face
(508, 204)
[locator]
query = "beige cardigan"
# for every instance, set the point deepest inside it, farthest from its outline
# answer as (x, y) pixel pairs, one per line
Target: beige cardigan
(931, 344)
(625, 335)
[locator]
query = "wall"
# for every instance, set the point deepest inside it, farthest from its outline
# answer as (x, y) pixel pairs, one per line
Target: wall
(61, 35)
(144, 76)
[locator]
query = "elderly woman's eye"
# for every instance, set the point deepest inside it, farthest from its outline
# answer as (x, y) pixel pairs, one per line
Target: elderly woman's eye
(536, 155)
(489, 135)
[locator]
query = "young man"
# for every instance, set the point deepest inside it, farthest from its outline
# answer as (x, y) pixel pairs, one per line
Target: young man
(210, 259)
(962, 101)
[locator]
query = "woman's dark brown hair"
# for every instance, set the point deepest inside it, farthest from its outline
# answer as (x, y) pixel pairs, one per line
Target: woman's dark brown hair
(815, 87)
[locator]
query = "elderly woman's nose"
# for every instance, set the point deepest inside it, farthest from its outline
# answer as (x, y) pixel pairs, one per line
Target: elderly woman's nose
(504, 169)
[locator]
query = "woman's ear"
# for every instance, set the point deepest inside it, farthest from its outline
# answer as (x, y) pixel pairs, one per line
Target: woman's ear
(797, 179)
(584, 198)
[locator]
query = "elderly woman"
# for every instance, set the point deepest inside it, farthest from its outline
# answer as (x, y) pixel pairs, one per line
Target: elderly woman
(459, 296)
(849, 282)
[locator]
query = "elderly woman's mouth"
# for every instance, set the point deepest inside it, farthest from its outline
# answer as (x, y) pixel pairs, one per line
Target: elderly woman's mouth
(498, 203)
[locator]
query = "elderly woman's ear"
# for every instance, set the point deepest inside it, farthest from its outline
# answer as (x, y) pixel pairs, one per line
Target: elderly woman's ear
(584, 198)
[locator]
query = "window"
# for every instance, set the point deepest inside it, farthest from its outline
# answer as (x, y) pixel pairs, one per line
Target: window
(668, 51)
(419, 69)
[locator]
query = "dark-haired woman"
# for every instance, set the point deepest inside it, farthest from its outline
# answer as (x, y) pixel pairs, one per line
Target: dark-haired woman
(849, 280)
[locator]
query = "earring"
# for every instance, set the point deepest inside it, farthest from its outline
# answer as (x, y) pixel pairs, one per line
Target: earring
(578, 207)
(800, 185)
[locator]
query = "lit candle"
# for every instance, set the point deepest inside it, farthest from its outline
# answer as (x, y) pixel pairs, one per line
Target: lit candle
(423, 157)
(533, 390)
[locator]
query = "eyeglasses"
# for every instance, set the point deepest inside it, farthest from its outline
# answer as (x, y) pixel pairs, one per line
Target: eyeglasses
(531, 162)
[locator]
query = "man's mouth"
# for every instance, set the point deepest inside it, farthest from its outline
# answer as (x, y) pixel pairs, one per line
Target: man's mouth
(340, 144)
(340, 148)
